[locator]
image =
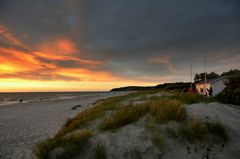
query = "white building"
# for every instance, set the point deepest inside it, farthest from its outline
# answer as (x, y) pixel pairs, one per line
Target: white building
(216, 84)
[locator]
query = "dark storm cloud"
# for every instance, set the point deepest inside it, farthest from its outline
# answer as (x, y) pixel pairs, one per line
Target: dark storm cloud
(130, 32)
(126, 34)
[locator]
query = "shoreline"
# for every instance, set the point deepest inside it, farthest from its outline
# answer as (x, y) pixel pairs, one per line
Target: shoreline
(22, 125)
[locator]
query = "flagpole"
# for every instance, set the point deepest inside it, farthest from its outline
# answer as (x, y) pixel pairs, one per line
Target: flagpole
(191, 77)
(205, 76)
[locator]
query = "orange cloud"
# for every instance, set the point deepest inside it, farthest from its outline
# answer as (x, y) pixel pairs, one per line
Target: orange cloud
(86, 75)
(13, 61)
(61, 46)
(46, 62)
(62, 49)
(53, 65)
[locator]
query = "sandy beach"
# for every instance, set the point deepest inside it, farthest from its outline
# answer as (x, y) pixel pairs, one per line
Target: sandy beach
(23, 125)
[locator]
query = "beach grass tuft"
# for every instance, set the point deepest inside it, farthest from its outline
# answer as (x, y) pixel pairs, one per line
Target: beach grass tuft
(165, 110)
(69, 145)
(194, 130)
(126, 115)
(197, 131)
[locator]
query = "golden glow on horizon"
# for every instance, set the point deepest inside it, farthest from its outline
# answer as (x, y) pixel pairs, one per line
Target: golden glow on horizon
(15, 85)
(41, 68)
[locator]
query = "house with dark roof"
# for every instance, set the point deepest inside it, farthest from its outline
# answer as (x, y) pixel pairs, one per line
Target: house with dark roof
(216, 84)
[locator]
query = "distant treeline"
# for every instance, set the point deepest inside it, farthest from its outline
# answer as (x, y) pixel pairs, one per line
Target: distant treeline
(179, 86)
(213, 75)
(169, 86)
(133, 88)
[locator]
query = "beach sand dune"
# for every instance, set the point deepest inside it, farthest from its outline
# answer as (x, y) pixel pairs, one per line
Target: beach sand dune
(23, 125)
(228, 115)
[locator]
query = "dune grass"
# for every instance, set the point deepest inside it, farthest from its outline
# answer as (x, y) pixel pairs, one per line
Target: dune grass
(162, 109)
(187, 98)
(165, 110)
(99, 152)
(198, 131)
(69, 145)
(126, 115)
(97, 111)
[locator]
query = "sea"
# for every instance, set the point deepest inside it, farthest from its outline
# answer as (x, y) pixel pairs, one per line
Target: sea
(31, 97)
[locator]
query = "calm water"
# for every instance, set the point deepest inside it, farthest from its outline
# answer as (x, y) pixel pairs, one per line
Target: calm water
(11, 98)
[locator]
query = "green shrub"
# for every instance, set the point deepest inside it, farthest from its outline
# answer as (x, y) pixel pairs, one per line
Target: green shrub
(125, 115)
(165, 110)
(231, 93)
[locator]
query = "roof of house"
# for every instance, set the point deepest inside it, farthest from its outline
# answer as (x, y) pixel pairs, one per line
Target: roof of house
(212, 80)
(218, 79)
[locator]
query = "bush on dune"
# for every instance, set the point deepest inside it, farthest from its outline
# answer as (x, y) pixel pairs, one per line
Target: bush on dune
(231, 93)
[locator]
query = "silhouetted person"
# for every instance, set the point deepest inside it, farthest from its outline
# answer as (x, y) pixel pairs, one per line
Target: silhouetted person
(210, 91)
(20, 100)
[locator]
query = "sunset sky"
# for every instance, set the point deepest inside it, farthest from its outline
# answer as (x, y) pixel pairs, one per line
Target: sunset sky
(92, 45)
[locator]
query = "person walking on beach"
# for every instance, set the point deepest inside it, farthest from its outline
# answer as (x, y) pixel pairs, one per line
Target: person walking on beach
(20, 100)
